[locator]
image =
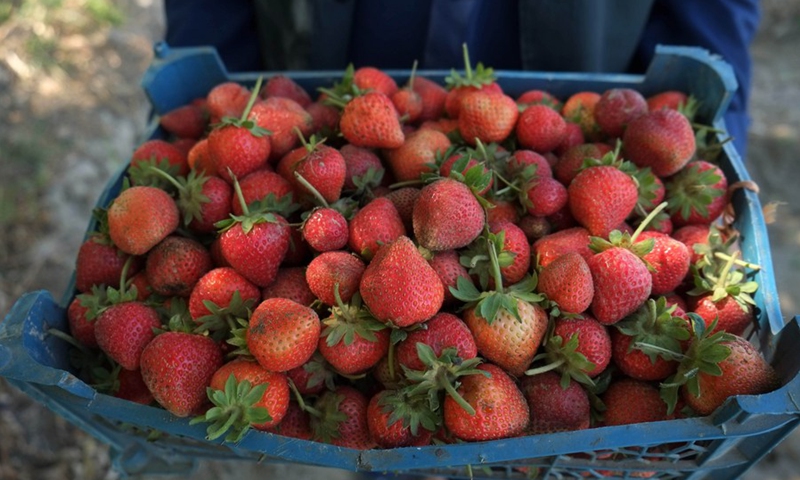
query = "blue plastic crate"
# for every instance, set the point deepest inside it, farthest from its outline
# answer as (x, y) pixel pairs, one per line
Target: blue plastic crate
(722, 445)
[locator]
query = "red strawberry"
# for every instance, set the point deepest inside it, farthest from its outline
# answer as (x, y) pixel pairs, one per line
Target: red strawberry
(662, 140)
(616, 108)
(140, 217)
(570, 162)
(371, 121)
(282, 117)
(352, 341)
(295, 424)
(540, 128)
(433, 98)
(502, 211)
(200, 160)
(447, 215)
(573, 137)
(691, 236)
(228, 99)
(330, 271)
(579, 108)
(377, 223)
(324, 118)
(81, 316)
(448, 267)
(580, 346)
(697, 194)
(486, 117)
(404, 200)
(159, 153)
(567, 281)
(283, 86)
(325, 230)
(363, 167)
(552, 246)
(394, 419)
(554, 407)
(620, 410)
(258, 186)
(186, 121)
(218, 287)
(343, 419)
(408, 103)
(175, 265)
(670, 260)
(371, 78)
(501, 410)
(177, 368)
(668, 99)
(443, 331)
(282, 334)
(601, 198)
(132, 387)
(473, 80)
(314, 376)
(399, 286)
(522, 159)
(543, 196)
(535, 96)
(731, 315)
(290, 283)
(99, 262)
(513, 250)
(534, 227)
(415, 155)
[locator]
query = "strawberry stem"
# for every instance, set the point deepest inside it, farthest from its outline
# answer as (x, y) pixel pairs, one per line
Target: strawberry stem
(301, 403)
(546, 368)
(167, 176)
(69, 339)
(737, 261)
(252, 100)
(318, 196)
(239, 194)
(498, 276)
(723, 275)
(451, 390)
(649, 218)
(413, 75)
(467, 66)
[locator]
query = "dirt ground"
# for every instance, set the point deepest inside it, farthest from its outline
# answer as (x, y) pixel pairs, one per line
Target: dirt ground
(73, 111)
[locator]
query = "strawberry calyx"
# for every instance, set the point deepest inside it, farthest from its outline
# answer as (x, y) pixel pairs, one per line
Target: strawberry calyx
(142, 173)
(234, 410)
(320, 372)
(178, 317)
(342, 91)
(706, 351)
(562, 355)
(440, 376)
(244, 122)
(326, 416)
(647, 186)
(655, 331)
(257, 212)
(190, 192)
(689, 107)
(478, 260)
(348, 320)
(472, 78)
(691, 189)
(619, 239)
(411, 408)
(237, 338)
(721, 279)
(221, 321)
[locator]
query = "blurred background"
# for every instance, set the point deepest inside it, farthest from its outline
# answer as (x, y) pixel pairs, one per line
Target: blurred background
(72, 111)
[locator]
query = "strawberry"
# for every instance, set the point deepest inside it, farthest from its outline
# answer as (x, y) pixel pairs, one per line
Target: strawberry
(290, 283)
(407, 101)
(342, 419)
(601, 198)
(473, 80)
(100, 262)
(513, 253)
(662, 140)
(553, 407)
(377, 223)
(522, 159)
(227, 99)
(352, 341)
(325, 230)
(404, 199)
(620, 410)
(579, 108)
(448, 267)
(433, 98)
(131, 387)
(447, 215)
(573, 137)
(540, 128)
(535, 96)
(295, 424)
(716, 366)
(415, 155)
(647, 344)
(258, 186)
(672, 99)
(282, 334)
(697, 194)
(501, 410)
(282, 117)
(200, 160)
(184, 145)
(177, 368)
(486, 117)
(570, 161)
(399, 286)
(156, 153)
(371, 78)
(616, 108)
(443, 331)
(693, 236)
(670, 260)
(324, 118)
(140, 217)
(731, 315)
(175, 265)
(245, 395)
(222, 291)
(363, 167)
(315, 169)
(186, 121)
(543, 196)
(314, 376)
(283, 86)
(534, 227)
(567, 281)
(394, 418)
(334, 273)
(502, 211)
(553, 245)
(371, 121)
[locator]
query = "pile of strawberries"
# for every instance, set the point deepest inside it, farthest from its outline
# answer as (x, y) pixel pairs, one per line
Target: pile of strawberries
(392, 265)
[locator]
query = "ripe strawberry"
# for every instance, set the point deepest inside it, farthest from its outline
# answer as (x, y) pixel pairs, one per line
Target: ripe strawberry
(184, 145)
(616, 108)
(672, 99)
(433, 98)
(447, 215)
(140, 217)
(570, 162)
(352, 341)
(731, 315)
(540, 128)
(282, 334)
(513, 252)
(448, 267)
(186, 121)
(662, 140)
(314, 376)
(394, 418)
(200, 160)
(693, 236)
(290, 283)
(371, 78)
(534, 227)
(371, 121)
(343, 419)
(131, 387)
(522, 159)
(295, 424)
(282, 117)
(573, 138)
(579, 347)
(81, 314)
(177, 368)
(579, 108)
(245, 395)
(325, 230)
(486, 117)
(697, 194)
(416, 154)
(364, 168)
(554, 407)
(620, 410)
(567, 281)
(552, 246)
(399, 286)
(227, 99)
(175, 265)
(404, 200)
(473, 80)
(543, 196)
(601, 198)
(217, 289)
(501, 410)
(259, 185)
(535, 96)
(324, 118)
(377, 223)
(443, 331)
(502, 211)
(100, 262)
(330, 271)
(156, 153)
(283, 86)
(670, 260)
